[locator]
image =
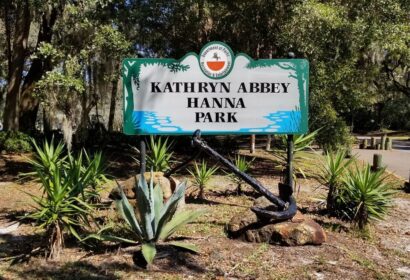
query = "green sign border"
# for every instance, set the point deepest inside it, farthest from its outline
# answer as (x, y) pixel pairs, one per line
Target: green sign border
(301, 68)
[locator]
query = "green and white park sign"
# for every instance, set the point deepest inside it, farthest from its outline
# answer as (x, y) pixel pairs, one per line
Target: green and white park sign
(216, 92)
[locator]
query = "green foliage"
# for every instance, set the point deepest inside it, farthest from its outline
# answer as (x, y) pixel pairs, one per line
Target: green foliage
(334, 135)
(202, 174)
(87, 172)
(333, 169)
(68, 186)
(159, 154)
(47, 160)
(243, 165)
(366, 195)
(357, 58)
(67, 85)
(155, 220)
(301, 143)
(14, 142)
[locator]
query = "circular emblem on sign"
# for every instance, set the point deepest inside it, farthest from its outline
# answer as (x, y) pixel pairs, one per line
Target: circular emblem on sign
(216, 60)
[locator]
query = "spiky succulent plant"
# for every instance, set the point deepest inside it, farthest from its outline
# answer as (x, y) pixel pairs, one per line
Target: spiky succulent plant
(155, 221)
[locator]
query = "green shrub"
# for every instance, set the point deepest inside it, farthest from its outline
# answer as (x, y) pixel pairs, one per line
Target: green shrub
(335, 136)
(15, 142)
(202, 174)
(68, 185)
(155, 221)
(365, 195)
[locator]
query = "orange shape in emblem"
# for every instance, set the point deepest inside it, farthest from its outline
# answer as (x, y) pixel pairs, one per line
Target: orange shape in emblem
(215, 65)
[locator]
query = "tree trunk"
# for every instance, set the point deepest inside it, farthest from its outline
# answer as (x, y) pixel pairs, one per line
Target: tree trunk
(201, 194)
(29, 104)
(113, 104)
(19, 53)
(56, 241)
(331, 199)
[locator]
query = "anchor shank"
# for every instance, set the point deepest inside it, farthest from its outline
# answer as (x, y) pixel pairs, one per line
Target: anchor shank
(197, 142)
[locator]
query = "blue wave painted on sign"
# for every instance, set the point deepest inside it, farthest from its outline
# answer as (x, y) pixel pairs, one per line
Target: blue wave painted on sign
(282, 122)
(150, 122)
(147, 122)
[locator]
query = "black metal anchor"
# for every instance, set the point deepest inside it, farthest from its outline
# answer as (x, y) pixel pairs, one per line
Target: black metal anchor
(285, 203)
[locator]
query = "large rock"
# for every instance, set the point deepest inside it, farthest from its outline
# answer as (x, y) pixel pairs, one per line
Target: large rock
(301, 230)
(168, 185)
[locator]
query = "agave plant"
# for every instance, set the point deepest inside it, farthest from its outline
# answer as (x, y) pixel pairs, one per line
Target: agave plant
(332, 171)
(154, 221)
(202, 174)
(243, 165)
(366, 195)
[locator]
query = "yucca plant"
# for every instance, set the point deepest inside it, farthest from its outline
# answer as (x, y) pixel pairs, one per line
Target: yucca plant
(366, 195)
(47, 159)
(155, 221)
(67, 184)
(243, 165)
(159, 154)
(332, 170)
(91, 173)
(202, 174)
(60, 208)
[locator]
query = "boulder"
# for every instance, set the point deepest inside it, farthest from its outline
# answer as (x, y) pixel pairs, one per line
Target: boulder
(300, 230)
(168, 185)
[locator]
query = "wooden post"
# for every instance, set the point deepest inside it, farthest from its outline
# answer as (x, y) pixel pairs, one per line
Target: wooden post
(407, 185)
(253, 138)
(388, 145)
(268, 142)
(383, 144)
(364, 144)
(377, 162)
(373, 143)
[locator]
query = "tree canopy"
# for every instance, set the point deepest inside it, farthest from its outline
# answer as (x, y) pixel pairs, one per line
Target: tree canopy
(64, 56)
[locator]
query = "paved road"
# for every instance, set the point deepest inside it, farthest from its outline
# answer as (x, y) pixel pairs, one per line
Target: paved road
(397, 161)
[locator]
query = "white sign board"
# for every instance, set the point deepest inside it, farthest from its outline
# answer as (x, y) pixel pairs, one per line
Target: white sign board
(216, 92)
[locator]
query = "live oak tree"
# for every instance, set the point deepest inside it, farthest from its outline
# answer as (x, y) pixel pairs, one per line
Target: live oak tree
(358, 51)
(353, 49)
